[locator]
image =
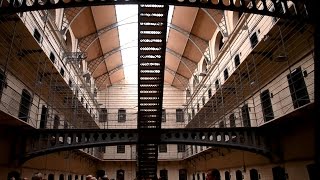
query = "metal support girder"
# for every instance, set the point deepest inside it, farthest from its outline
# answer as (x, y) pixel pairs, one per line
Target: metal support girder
(186, 61)
(222, 26)
(71, 14)
(94, 64)
(14, 6)
(198, 42)
(45, 141)
(182, 79)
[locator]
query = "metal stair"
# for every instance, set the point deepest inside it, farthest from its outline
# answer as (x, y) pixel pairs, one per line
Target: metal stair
(152, 29)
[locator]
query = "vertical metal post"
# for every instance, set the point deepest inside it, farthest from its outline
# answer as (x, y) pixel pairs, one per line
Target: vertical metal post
(317, 92)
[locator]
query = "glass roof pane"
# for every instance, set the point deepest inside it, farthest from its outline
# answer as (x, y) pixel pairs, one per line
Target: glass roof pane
(127, 17)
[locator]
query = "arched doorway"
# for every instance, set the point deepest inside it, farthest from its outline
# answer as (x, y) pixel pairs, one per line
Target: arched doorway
(254, 174)
(51, 177)
(238, 175)
(227, 175)
(61, 177)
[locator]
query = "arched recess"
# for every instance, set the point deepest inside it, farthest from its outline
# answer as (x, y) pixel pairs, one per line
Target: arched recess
(218, 43)
(68, 41)
(51, 177)
(254, 175)
(239, 175)
(204, 66)
(227, 175)
(61, 177)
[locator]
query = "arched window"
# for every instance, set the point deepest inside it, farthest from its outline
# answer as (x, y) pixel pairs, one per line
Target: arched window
(51, 177)
(227, 175)
(203, 176)
(254, 174)
(76, 177)
(61, 177)
(120, 174)
(238, 175)
(25, 103)
(69, 177)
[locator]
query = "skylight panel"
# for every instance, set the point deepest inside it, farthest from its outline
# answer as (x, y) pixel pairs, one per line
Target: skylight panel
(127, 17)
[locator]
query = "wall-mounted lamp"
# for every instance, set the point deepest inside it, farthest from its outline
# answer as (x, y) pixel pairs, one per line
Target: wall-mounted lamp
(203, 74)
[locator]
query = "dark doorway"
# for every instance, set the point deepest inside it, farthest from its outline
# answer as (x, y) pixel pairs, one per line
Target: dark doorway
(298, 89)
(279, 173)
(120, 174)
(43, 117)
(51, 177)
(25, 103)
(266, 106)
(164, 174)
(254, 174)
(238, 175)
(100, 173)
(61, 177)
(227, 175)
(183, 174)
(245, 116)
(56, 122)
(232, 119)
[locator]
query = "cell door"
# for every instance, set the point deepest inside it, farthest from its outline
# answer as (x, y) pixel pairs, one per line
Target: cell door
(279, 173)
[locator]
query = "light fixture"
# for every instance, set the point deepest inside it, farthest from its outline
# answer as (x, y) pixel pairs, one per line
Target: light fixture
(281, 58)
(266, 37)
(203, 74)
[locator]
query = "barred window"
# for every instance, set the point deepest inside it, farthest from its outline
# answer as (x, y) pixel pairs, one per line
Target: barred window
(181, 148)
(162, 148)
(163, 117)
(121, 149)
(122, 115)
(179, 115)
